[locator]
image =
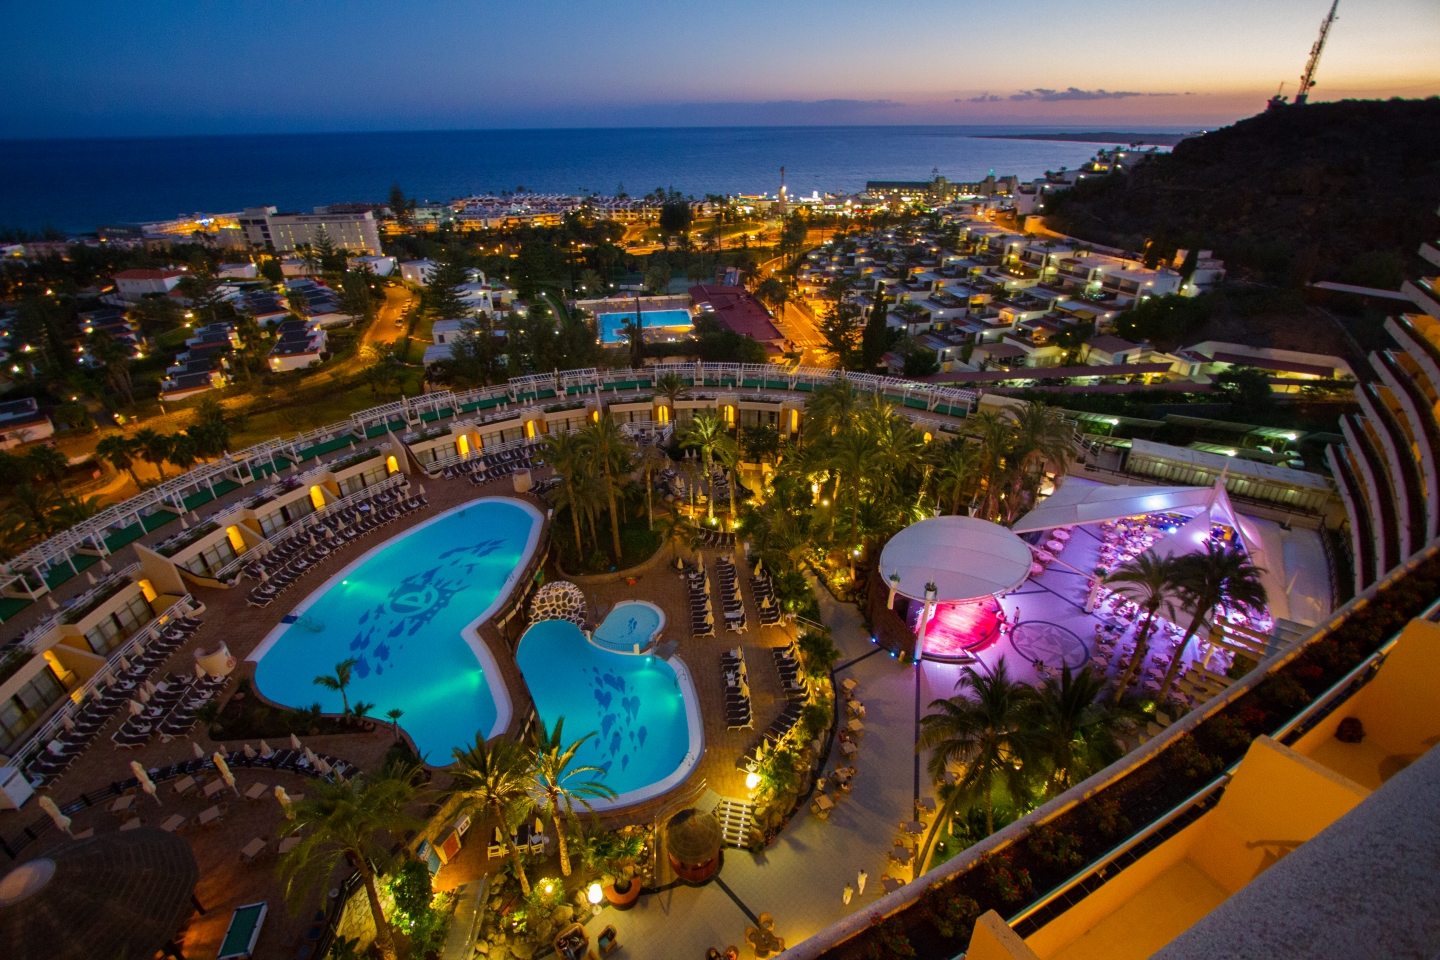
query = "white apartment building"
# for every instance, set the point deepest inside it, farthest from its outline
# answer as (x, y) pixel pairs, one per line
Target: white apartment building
(354, 232)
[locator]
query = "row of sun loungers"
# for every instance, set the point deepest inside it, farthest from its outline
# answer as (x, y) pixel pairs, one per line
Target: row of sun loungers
(492, 465)
(505, 469)
(714, 538)
(790, 677)
(763, 590)
(100, 706)
(277, 572)
(172, 712)
(739, 714)
(702, 615)
(730, 596)
(776, 732)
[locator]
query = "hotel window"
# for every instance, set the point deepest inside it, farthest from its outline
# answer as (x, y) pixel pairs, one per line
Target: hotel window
(272, 522)
(212, 558)
(120, 625)
(19, 713)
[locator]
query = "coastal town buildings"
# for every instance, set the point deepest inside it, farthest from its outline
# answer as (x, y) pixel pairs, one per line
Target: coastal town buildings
(355, 232)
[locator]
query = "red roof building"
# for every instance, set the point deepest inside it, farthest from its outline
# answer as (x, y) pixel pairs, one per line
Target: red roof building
(737, 311)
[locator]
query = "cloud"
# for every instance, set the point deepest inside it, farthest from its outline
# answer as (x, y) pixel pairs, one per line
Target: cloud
(1073, 93)
(983, 98)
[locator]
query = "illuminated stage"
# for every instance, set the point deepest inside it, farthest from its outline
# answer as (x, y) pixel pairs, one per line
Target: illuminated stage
(958, 630)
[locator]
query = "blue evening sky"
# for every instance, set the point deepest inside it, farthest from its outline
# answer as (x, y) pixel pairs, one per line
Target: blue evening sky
(93, 68)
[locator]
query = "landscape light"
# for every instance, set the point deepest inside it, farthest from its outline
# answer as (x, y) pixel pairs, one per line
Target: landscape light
(752, 780)
(594, 894)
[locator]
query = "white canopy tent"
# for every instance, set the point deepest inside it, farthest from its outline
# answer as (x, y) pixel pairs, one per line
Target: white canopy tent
(964, 557)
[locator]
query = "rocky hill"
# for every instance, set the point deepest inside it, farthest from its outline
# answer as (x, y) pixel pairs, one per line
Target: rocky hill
(1329, 191)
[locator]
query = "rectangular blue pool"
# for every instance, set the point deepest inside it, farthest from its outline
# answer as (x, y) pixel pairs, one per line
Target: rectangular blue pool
(610, 323)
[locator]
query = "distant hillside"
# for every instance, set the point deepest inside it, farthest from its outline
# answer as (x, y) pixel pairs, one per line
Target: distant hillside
(1330, 191)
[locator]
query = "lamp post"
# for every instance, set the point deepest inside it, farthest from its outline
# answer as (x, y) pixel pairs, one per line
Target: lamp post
(930, 593)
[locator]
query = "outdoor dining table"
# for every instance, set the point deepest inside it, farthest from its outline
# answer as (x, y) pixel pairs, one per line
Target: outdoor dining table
(186, 782)
(926, 803)
(824, 802)
(1054, 546)
(891, 884)
(122, 804)
(256, 791)
(849, 749)
(849, 684)
(172, 823)
(214, 787)
(132, 824)
(913, 827)
(288, 844)
(1060, 534)
(252, 849)
(901, 854)
(209, 815)
(855, 726)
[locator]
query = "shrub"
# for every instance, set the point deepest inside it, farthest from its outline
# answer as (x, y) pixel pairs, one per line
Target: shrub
(951, 913)
(888, 940)
(1003, 880)
(1108, 820)
(411, 889)
(1284, 692)
(1186, 757)
(1230, 732)
(1057, 847)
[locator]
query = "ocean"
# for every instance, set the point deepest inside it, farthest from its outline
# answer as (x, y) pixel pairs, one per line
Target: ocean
(76, 185)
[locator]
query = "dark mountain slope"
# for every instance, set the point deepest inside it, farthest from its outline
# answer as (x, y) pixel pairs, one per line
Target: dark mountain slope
(1330, 191)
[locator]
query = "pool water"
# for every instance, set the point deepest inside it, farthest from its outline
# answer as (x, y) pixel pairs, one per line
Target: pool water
(611, 323)
(406, 611)
(631, 622)
(647, 734)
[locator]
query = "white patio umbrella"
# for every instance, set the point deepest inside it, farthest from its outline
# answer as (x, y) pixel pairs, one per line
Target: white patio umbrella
(324, 768)
(68, 723)
(310, 758)
(199, 672)
(285, 801)
(136, 708)
(265, 752)
(294, 742)
(56, 817)
(142, 694)
(146, 783)
(249, 751)
(421, 488)
(225, 774)
(150, 687)
(199, 751)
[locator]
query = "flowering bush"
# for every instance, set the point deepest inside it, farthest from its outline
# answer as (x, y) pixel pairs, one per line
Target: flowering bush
(953, 914)
(1056, 847)
(1003, 880)
(1109, 821)
(889, 940)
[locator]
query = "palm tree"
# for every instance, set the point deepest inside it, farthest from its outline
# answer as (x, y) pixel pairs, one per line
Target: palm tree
(591, 283)
(956, 469)
(1149, 580)
(555, 782)
(1074, 731)
(729, 456)
(635, 337)
(117, 449)
(73, 510)
(652, 461)
(1206, 580)
(705, 433)
(343, 821)
(153, 447)
(996, 431)
(611, 449)
(990, 735)
(676, 530)
(566, 454)
(672, 388)
(338, 681)
(49, 463)
(183, 451)
(854, 453)
(394, 717)
(833, 407)
(496, 780)
(776, 769)
(1041, 438)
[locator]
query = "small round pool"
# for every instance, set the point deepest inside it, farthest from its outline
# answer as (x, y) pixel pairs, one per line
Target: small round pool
(643, 710)
(630, 627)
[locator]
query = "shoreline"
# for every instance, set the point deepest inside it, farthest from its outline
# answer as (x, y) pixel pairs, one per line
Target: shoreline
(1125, 139)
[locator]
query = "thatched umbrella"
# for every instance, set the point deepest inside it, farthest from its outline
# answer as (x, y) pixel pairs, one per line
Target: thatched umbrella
(692, 840)
(118, 894)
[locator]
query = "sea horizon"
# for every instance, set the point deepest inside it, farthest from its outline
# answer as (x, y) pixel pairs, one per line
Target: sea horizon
(77, 184)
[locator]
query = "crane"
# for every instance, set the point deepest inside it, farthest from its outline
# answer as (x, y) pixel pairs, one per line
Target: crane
(1307, 79)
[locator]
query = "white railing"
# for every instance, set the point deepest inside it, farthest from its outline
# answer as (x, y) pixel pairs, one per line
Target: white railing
(309, 520)
(35, 633)
(239, 467)
(39, 736)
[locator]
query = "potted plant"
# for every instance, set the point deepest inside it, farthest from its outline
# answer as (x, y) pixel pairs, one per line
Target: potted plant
(620, 855)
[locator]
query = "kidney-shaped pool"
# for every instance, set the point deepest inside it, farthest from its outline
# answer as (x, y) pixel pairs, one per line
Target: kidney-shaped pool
(406, 611)
(641, 708)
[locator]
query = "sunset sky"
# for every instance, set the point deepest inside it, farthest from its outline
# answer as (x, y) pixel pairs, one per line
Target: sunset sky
(77, 68)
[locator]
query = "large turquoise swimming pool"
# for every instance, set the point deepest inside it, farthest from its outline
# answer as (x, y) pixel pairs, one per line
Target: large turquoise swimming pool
(642, 709)
(612, 324)
(407, 612)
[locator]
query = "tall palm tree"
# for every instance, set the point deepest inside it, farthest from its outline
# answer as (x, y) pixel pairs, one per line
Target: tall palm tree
(833, 407)
(706, 433)
(118, 450)
(989, 734)
(496, 780)
(337, 682)
(996, 432)
(610, 450)
(394, 717)
(345, 820)
(729, 456)
(1205, 580)
(1041, 438)
(154, 448)
(652, 461)
(1074, 731)
(853, 452)
(557, 785)
(672, 388)
(955, 470)
(50, 464)
(677, 531)
(1149, 580)
(566, 454)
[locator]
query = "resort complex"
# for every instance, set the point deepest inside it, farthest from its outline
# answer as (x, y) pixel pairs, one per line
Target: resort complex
(863, 576)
